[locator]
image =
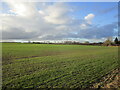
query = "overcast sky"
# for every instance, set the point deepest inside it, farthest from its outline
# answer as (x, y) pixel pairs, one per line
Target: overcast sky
(91, 21)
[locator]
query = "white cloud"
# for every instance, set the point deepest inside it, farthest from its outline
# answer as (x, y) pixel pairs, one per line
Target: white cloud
(89, 18)
(87, 21)
(21, 8)
(49, 21)
(41, 12)
(61, 27)
(83, 26)
(56, 14)
(55, 20)
(26, 20)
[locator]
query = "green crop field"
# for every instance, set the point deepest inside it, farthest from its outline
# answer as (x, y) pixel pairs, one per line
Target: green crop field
(55, 66)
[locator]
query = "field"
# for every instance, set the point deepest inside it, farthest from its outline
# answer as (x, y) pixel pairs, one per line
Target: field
(55, 66)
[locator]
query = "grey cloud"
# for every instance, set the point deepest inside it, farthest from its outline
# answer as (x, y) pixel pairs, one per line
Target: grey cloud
(91, 33)
(15, 33)
(35, 27)
(98, 32)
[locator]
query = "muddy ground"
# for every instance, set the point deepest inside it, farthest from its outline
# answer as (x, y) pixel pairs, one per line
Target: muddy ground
(111, 80)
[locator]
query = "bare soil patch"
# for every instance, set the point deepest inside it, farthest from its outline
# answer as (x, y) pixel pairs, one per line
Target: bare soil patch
(111, 80)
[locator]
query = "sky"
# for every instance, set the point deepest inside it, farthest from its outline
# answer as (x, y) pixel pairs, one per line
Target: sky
(37, 21)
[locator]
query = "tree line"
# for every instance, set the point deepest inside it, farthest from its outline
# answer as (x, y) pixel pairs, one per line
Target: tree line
(108, 42)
